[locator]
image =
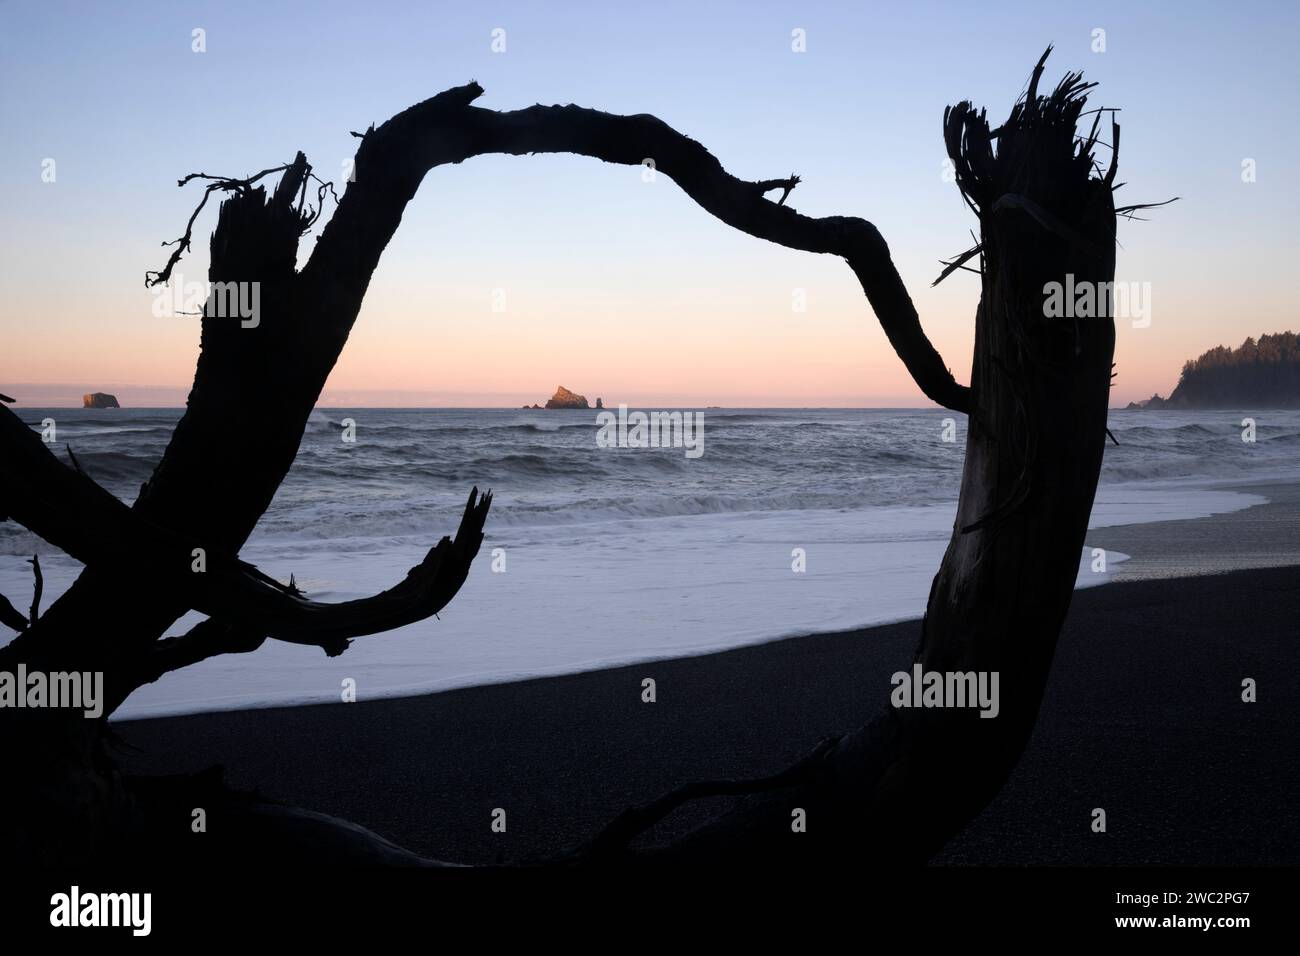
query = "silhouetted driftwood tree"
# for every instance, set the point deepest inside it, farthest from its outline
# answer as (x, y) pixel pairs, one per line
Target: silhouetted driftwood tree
(896, 789)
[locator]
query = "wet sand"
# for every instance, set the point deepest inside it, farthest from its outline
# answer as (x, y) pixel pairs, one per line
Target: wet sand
(1142, 717)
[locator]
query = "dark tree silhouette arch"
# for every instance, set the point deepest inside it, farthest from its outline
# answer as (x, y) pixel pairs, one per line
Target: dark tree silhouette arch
(895, 789)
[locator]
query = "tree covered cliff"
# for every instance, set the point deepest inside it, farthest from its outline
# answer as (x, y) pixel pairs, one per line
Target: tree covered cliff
(1266, 373)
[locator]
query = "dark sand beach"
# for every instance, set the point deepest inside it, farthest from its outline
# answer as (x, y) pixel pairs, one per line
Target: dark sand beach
(1142, 717)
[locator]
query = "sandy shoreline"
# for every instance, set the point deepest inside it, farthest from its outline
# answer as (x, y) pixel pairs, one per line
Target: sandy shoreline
(1262, 536)
(1142, 717)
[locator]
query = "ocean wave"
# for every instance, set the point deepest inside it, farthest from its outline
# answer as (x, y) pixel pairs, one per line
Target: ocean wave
(1176, 431)
(410, 469)
(115, 466)
(427, 520)
(1290, 438)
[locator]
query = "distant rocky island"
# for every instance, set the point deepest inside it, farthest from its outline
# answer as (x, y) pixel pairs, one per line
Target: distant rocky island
(563, 398)
(99, 400)
(1264, 373)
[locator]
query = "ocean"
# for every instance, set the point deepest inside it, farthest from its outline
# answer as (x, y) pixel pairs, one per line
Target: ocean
(791, 522)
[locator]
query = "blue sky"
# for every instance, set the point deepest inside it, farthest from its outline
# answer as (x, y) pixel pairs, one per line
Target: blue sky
(618, 287)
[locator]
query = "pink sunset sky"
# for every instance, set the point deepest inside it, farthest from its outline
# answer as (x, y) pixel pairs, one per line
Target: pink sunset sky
(613, 286)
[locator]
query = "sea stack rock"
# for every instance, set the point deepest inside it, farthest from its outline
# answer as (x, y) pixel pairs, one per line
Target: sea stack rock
(563, 398)
(600, 403)
(99, 400)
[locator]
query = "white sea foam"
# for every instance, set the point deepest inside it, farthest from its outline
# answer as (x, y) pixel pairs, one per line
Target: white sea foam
(616, 557)
(635, 590)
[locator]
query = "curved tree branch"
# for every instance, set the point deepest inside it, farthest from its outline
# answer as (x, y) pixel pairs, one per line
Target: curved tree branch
(394, 157)
(209, 638)
(69, 510)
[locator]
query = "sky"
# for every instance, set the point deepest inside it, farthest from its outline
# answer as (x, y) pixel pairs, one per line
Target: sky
(614, 286)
